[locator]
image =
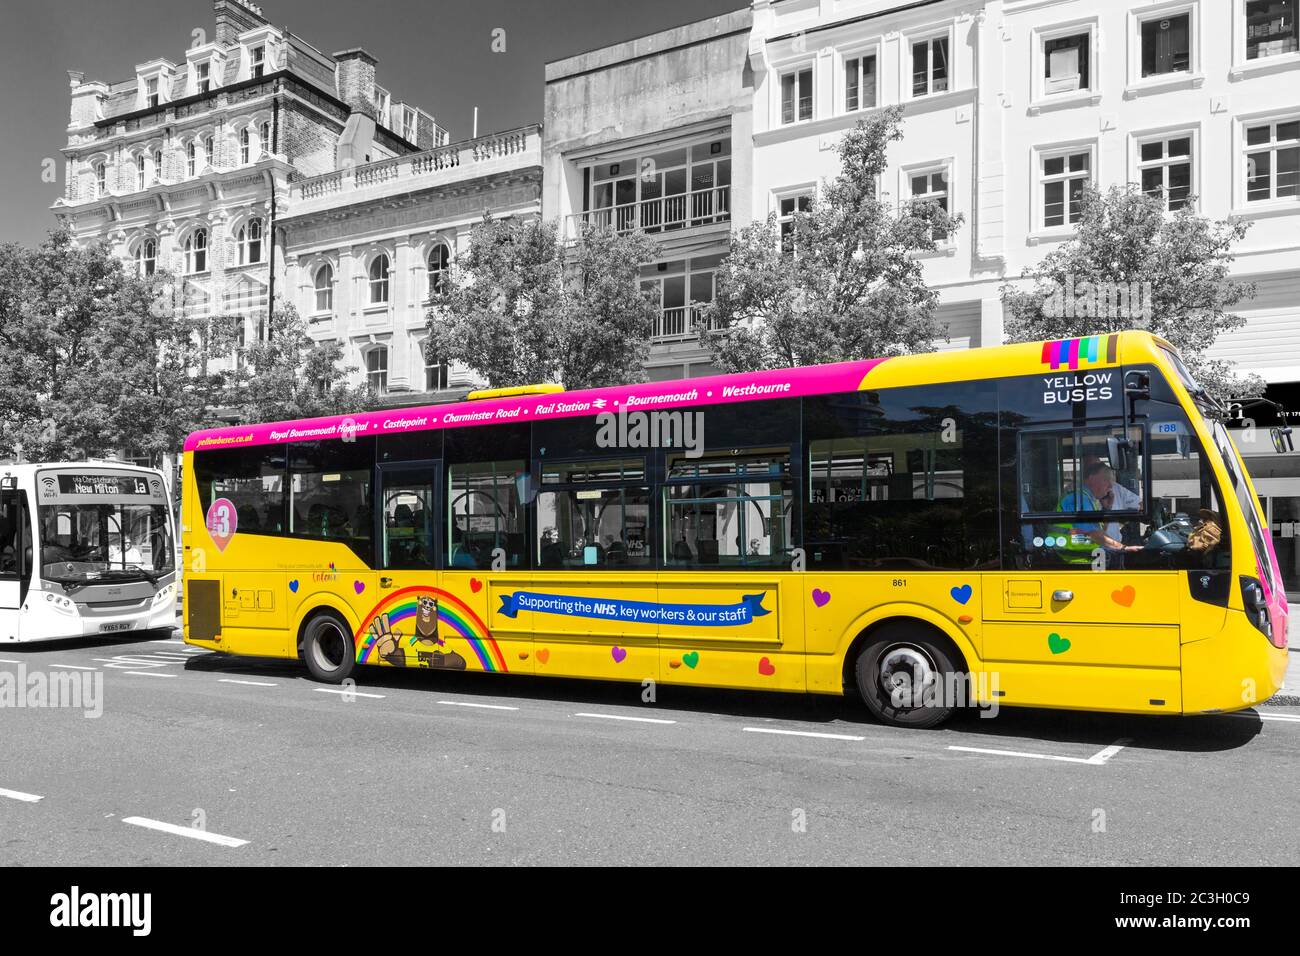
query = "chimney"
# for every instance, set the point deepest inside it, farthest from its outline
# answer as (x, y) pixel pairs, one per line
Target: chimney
(235, 17)
(87, 100)
(355, 75)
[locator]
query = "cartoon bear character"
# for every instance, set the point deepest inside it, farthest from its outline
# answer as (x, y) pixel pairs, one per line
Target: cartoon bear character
(426, 621)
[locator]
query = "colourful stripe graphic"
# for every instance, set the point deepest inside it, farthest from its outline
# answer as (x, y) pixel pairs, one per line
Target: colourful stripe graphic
(1070, 353)
(455, 619)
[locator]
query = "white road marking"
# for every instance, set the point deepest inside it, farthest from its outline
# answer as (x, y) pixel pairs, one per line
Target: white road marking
(250, 683)
(5, 660)
(1096, 760)
(1292, 718)
(73, 667)
(166, 640)
(353, 693)
(465, 703)
(19, 795)
(801, 733)
(641, 720)
(190, 832)
(148, 674)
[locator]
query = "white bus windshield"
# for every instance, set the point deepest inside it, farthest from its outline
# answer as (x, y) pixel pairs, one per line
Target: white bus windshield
(104, 541)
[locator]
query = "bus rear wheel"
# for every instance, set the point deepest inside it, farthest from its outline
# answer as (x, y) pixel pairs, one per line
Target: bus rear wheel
(327, 649)
(903, 674)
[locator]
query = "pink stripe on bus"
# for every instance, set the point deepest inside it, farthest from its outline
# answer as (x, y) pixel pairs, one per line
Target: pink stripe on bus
(647, 396)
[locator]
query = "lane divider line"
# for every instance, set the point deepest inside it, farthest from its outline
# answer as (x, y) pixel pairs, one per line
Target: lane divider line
(800, 733)
(190, 832)
(640, 720)
(19, 795)
(1020, 753)
(148, 674)
(248, 683)
(1103, 755)
(73, 667)
(353, 693)
(465, 703)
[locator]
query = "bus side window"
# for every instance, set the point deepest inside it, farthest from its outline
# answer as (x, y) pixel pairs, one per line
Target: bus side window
(485, 513)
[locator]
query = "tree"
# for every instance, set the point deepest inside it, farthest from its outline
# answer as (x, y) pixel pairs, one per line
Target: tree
(523, 306)
(287, 374)
(847, 284)
(1132, 265)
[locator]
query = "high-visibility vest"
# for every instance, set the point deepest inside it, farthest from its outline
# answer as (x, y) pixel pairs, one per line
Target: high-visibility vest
(1074, 546)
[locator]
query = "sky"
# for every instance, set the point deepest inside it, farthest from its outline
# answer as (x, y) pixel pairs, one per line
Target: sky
(433, 53)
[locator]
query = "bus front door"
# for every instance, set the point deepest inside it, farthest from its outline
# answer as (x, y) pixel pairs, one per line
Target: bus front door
(15, 558)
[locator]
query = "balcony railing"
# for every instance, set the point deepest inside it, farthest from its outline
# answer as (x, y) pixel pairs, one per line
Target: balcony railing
(703, 207)
(455, 160)
(680, 323)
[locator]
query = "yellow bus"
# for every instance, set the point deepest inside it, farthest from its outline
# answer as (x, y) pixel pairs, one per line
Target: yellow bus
(1060, 524)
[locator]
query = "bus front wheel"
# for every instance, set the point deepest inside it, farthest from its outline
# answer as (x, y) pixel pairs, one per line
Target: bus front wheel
(327, 649)
(904, 675)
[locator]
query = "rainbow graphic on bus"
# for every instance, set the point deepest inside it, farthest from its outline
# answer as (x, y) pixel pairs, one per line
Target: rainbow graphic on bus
(1070, 353)
(399, 616)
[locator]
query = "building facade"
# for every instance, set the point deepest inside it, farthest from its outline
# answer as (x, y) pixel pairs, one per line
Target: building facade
(655, 134)
(262, 171)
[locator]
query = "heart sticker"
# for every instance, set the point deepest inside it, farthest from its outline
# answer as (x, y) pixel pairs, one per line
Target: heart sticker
(1058, 644)
(293, 585)
(543, 655)
(962, 594)
(475, 585)
(691, 659)
(618, 653)
(820, 597)
(766, 667)
(1125, 596)
(359, 586)
(222, 521)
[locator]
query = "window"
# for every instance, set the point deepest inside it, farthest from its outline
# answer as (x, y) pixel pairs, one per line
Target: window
(146, 257)
(729, 509)
(1165, 167)
(208, 152)
(151, 92)
(1065, 64)
(860, 82)
(930, 66)
(101, 180)
(1273, 161)
(379, 279)
(930, 188)
(249, 240)
(325, 289)
(410, 130)
(435, 375)
(202, 78)
(196, 251)
(257, 59)
(485, 512)
(796, 96)
(141, 174)
(682, 288)
(593, 514)
(1166, 44)
(439, 262)
(377, 370)
(264, 138)
(1064, 178)
(409, 518)
(330, 496)
(157, 165)
(1270, 28)
(659, 192)
(252, 479)
(788, 209)
(903, 478)
(245, 140)
(191, 158)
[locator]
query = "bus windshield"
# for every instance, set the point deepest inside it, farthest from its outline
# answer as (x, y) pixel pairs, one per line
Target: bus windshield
(104, 541)
(1246, 501)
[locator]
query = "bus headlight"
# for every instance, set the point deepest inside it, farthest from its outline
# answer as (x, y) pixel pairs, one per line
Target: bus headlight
(163, 595)
(1256, 605)
(62, 604)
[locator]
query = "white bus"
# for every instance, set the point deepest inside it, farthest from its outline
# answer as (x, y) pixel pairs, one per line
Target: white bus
(85, 549)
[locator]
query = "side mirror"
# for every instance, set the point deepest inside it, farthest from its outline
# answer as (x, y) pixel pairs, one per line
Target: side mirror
(1137, 384)
(1282, 442)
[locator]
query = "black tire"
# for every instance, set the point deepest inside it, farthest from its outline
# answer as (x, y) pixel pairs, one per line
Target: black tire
(894, 670)
(327, 648)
